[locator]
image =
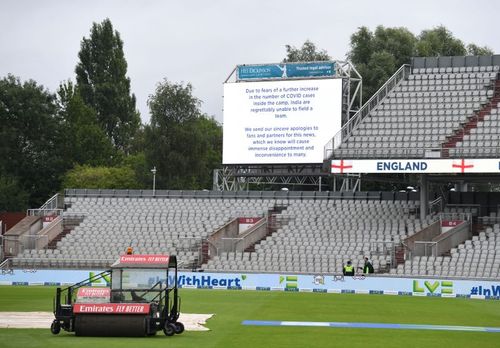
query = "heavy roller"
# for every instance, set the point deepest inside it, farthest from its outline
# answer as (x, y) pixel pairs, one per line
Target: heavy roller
(141, 299)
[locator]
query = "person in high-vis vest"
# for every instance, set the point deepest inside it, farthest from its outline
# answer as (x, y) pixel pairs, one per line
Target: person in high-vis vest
(368, 267)
(348, 269)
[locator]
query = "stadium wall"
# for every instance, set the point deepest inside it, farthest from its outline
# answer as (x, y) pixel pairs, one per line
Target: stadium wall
(360, 284)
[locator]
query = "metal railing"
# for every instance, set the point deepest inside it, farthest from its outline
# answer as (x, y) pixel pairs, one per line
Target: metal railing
(346, 130)
(6, 266)
(436, 206)
(451, 239)
(424, 248)
(455, 216)
(15, 245)
(44, 212)
(35, 263)
(432, 242)
(52, 203)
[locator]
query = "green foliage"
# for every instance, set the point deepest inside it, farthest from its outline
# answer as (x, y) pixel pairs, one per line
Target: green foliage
(183, 144)
(139, 165)
(12, 197)
(84, 140)
(475, 50)
(362, 46)
(211, 136)
(399, 43)
(439, 42)
(29, 139)
(101, 178)
(377, 55)
(103, 85)
(307, 53)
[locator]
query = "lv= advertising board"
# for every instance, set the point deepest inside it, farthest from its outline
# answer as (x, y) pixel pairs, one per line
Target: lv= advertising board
(280, 122)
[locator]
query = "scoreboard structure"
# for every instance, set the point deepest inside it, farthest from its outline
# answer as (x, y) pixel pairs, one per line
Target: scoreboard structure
(278, 118)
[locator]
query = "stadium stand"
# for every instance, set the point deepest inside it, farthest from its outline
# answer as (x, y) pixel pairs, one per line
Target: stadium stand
(476, 258)
(306, 234)
(148, 225)
(321, 235)
(434, 112)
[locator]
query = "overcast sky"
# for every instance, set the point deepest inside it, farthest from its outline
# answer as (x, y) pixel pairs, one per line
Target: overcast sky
(200, 41)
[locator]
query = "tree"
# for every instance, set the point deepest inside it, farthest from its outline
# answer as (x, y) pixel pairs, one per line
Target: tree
(307, 53)
(475, 50)
(84, 140)
(211, 132)
(362, 46)
(377, 55)
(12, 196)
(399, 43)
(439, 42)
(103, 84)
(30, 133)
(182, 143)
(100, 177)
(380, 68)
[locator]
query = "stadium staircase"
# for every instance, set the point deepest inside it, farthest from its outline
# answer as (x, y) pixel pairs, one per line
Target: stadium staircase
(399, 255)
(69, 224)
(274, 222)
(473, 121)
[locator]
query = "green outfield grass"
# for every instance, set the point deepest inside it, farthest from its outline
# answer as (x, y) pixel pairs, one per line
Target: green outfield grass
(232, 307)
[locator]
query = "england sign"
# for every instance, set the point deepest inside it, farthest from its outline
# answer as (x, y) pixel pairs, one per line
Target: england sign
(472, 165)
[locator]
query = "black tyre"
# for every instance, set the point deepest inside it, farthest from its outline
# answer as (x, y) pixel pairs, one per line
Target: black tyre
(169, 329)
(179, 327)
(55, 327)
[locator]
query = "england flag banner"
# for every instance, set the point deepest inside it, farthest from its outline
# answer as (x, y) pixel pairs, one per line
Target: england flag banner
(461, 165)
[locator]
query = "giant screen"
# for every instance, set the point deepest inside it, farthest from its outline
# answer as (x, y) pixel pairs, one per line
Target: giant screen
(280, 122)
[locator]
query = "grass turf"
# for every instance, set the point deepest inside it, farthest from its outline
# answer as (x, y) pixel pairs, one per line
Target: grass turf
(232, 307)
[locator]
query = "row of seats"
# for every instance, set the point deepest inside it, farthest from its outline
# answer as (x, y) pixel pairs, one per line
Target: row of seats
(456, 70)
(421, 113)
(322, 239)
(111, 224)
(311, 236)
(477, 258)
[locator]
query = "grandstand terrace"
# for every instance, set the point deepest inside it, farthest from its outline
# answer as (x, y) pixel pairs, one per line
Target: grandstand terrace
(306, 232)
(436, 108)
(310, 231)
(321, 235)
(475, 258)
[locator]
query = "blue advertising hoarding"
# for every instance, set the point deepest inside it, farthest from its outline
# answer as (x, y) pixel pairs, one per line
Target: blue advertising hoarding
(285, 70)
(285, 282)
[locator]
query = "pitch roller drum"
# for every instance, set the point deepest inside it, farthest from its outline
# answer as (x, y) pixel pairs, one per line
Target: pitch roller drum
(110, 325)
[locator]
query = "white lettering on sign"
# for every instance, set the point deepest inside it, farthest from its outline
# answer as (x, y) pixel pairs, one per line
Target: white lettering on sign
(469, 165)
(150, 259)
(111, 308)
